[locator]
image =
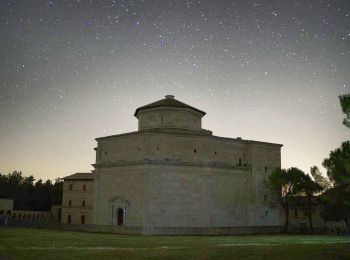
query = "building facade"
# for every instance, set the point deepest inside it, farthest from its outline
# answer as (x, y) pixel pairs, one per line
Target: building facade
(77, 201)
(171, 173)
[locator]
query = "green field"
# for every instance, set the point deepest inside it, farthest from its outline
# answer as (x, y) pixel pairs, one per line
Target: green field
(26, 243)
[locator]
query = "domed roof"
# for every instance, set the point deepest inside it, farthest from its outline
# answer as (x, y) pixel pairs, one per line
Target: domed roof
(168, 101)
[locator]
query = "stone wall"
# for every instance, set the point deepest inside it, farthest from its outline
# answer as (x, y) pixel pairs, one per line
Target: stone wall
(185, 180)
(120, 187)
(169, 118)
(77, 202)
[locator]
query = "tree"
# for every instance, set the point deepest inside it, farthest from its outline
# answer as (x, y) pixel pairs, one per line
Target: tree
(345, 106)
(288, 182)
(29, 195)
(336, 201)
(324, 182)
(338, 165)
(310, 188)
(336, 204)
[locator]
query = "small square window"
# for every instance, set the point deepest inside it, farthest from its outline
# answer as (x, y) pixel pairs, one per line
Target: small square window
(194, 150)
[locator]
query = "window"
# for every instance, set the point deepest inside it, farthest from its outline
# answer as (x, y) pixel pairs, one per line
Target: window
(215, 153)
(70, 186)
(69, 219)
(239, 162)
(266, 213)
(84, 187)
(157, 148)
(70, 203)
(83, 203)
(14, 216)
(82, 219)
(266, 169)
(194, 150)
(295, 213)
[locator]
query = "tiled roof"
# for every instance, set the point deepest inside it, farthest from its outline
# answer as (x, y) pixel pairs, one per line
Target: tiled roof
(80, 176)
(167, 102)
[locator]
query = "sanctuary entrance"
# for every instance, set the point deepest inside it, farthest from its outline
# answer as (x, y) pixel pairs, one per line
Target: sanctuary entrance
(119, 208)
(120, 217)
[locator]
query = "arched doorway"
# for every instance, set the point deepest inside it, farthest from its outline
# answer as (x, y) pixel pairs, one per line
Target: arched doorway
(119, 208)
(120, 216)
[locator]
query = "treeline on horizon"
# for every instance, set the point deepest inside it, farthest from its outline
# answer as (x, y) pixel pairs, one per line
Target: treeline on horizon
(29, 194)
(329, 194)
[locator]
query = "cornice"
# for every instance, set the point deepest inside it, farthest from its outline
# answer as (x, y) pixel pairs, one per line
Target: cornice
(212, 164)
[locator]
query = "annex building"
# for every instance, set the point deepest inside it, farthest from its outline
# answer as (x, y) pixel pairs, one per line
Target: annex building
(171, 175)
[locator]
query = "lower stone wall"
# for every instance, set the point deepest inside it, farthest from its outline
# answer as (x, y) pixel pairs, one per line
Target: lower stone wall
(101, 229)
(211, 230)
(168, 230)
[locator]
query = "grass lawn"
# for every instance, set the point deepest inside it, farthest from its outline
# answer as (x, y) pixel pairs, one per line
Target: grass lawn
(27, 243)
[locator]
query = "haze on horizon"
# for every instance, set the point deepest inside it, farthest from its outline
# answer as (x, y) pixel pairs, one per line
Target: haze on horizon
(72, 71)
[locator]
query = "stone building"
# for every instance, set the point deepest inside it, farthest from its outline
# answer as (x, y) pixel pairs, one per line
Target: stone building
(77, 198)
(299, 219)
(172, 174)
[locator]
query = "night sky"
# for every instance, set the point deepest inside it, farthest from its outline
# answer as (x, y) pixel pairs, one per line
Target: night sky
(71, 71)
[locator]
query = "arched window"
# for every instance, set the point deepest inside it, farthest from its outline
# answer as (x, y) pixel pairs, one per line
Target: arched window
(29, 217)
(42, 216)
(69, 219)
(8, 212)
(83, 203)
(24, 216)
(69, 203)
(84, 187)
(14, 216)
(19, 217)
(70, 186)
(33, 217)
(240, 162)
(1, 212)
(82, 219)
(37, 217)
